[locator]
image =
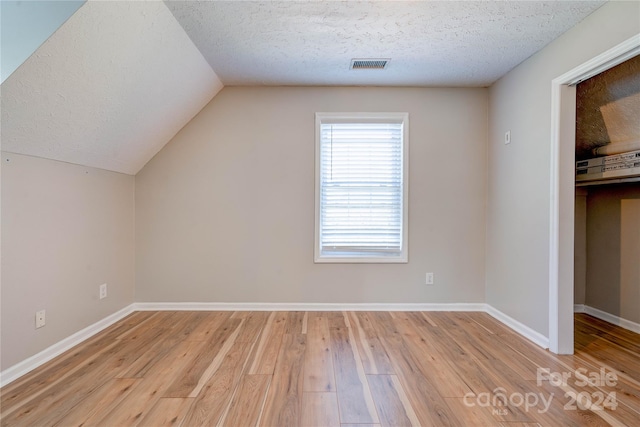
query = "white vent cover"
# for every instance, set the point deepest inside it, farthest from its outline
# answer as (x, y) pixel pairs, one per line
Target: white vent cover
(369, 64)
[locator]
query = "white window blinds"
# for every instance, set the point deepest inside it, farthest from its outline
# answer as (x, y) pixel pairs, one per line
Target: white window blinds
(361, 189)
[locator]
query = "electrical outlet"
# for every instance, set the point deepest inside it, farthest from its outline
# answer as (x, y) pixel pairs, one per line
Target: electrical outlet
(40, 318)
(103, 290)
(429, 279)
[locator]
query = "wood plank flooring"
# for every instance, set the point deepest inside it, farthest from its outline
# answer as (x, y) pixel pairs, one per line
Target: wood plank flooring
(326, 369)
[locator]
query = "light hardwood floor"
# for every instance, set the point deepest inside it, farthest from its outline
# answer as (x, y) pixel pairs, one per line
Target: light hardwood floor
(326, 369)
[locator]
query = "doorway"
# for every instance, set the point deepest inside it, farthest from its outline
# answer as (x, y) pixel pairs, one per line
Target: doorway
(562, 191)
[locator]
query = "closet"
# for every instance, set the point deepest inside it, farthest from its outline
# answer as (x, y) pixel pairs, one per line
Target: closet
(607, 215)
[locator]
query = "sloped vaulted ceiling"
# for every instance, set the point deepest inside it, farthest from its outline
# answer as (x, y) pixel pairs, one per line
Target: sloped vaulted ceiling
(120, 78)
(26, 25)
(109, 89)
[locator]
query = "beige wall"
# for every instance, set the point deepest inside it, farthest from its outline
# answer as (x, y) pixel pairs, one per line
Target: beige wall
(225, 212)
(613, 250)
(580, 247)
(66, 229)
(517, 281)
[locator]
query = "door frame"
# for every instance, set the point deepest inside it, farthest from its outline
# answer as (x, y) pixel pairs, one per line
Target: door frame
(561, 224)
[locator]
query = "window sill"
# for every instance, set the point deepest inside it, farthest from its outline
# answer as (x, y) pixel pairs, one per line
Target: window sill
(360, 260)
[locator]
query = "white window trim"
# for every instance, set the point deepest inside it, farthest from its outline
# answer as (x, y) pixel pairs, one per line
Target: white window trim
(364, 117)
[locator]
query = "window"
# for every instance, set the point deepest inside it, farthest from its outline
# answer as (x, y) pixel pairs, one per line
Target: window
(361, 187)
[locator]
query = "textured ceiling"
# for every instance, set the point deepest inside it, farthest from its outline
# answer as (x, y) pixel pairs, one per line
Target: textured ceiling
(109, 89)
(431, 43)
(608, 108)
(26, 25)
(119, 78)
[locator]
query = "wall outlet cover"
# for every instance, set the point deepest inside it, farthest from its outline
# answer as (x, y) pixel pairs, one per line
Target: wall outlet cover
(429, 279)
(40, 318)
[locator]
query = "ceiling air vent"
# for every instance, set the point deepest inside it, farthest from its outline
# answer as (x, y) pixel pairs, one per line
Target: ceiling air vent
(369, 64)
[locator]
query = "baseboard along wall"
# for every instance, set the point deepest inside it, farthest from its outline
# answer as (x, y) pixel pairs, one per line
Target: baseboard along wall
(607, 317)
(16, 371)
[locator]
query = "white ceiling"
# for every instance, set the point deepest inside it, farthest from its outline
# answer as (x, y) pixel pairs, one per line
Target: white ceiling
(108, 89)
(431, 43)
(28, 24)
(120, 78)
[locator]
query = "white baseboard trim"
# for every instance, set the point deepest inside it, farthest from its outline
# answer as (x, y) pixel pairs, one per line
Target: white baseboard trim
(259, 306)
(27, 365)
(612, 318)
(11, 374)
(520, 328)
(578, 308)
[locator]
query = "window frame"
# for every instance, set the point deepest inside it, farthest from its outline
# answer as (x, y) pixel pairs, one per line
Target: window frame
(327, 118)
